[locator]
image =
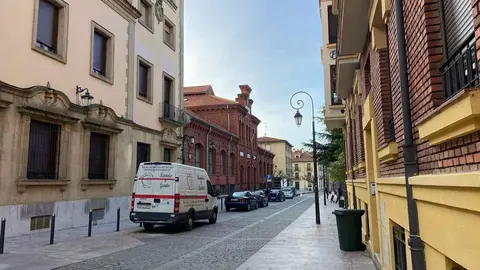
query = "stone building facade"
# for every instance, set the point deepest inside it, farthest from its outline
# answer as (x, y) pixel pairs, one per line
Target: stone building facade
(223, 139)
(442, 52)
(86, 94)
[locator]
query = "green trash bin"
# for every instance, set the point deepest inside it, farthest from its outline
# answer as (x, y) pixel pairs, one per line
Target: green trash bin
(349, 225)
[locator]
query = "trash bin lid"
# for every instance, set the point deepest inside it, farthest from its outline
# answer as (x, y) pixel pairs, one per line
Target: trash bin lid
(348, 212)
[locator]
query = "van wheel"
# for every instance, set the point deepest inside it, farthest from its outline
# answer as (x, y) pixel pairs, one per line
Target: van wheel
(213, 219)
(148, 226)
(189, 223)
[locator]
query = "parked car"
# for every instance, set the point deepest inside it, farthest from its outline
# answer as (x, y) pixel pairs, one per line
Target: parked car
(241, 200)
(276, 195)
(172, 193)
(289, 192)
(261, 198)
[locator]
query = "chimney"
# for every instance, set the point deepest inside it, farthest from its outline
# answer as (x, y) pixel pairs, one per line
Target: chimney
(244, 96)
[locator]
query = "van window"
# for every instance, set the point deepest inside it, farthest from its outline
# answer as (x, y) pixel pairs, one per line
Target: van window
(209, 187)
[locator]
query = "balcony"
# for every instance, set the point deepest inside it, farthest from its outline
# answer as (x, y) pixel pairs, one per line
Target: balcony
(460, 71)
(171, 114)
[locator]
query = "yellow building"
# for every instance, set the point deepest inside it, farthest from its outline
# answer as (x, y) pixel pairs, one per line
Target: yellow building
(417, 104)
(88, 90)
(302, 169)
(282, 162)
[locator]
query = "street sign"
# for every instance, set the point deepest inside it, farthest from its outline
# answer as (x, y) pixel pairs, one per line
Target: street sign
(333, 54)
(269, 178)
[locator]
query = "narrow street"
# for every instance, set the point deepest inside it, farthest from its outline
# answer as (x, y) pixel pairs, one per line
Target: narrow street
(235, 237)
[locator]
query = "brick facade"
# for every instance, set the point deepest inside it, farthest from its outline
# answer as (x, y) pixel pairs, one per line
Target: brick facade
(425, 55)
(229, 120)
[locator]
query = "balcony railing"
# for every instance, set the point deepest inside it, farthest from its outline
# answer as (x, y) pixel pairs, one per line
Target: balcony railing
(461, 70)
(171, 113)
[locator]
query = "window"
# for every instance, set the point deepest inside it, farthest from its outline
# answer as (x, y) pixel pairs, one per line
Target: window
(51, 28)
(399, 248)
(222, 190)
(223, 157)
(39, 222)
(309, 175)
(98, 157)
(333, 86)
(211, 161)
(145, 80)
(210, 189)
(43, 150)
(332, 26)
(102, 53)
(460, 70)
(167, 155)
(198, 155)
(297, 175)
(309, 166)
(296, 167)
(231, 164)
(169, 33)
(143, 153)
(146, 19)
(168, 108)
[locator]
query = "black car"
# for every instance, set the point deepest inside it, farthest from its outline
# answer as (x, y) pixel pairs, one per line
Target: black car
(261, 198)
(276, 195)
(241, 200)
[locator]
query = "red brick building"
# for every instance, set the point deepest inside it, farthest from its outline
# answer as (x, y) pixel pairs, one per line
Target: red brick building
(222, 138)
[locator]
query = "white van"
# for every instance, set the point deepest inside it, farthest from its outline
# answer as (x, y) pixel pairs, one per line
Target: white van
(171, 193)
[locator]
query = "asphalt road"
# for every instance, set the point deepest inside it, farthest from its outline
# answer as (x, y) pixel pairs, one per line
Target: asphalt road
(235, 237)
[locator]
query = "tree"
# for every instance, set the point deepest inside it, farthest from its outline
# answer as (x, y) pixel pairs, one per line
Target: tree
(330, 151)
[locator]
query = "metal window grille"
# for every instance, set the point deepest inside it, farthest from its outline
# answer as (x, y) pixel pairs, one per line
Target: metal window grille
(43, 150)
(143, 153)
(399, 248)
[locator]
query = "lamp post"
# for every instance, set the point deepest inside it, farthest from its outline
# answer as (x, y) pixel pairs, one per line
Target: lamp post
(298, 120)
(86, 99)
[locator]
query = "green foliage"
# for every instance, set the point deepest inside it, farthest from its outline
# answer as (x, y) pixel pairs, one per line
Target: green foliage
(330, 151)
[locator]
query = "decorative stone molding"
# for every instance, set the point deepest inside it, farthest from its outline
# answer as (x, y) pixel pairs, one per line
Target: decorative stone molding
(22, 184)
(85, 183)
(124, 8)
(170, 137)
(101, 126)
(4, 104)
(54, 115)
(159, 11)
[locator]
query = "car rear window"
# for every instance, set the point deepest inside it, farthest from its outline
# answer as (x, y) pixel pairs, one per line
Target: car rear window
(275, 191)
(239, 194)
(287, 189)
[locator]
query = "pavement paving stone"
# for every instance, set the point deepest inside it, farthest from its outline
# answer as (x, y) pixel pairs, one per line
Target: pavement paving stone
(306, 245)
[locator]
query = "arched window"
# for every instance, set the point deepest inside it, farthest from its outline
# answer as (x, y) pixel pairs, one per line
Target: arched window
(223, 159)
(198, 155)
(231, 164)
(211, 161)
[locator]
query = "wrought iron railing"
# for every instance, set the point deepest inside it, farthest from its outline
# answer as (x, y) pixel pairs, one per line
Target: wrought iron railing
(170, 112)
(399, 248)
(460, 71)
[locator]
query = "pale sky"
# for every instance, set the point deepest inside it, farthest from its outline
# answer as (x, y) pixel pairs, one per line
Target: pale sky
(271, 45)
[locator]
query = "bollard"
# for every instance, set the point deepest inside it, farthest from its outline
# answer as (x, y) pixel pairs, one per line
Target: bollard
(52, 229)
(118, 219)
(2, 235)
(90, 223)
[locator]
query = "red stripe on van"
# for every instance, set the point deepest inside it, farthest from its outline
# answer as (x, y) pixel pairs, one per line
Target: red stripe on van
(153, 196)
(166, 179)
(193, 197)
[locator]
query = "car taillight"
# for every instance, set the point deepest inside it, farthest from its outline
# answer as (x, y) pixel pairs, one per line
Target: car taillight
(244, 200)
(132, 203)
(176, 203)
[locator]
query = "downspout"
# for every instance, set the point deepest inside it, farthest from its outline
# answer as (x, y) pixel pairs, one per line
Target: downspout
(354, 195)
(207, 147)
(228, 164)
(409, 147)
(345, 162)
(181, 58)
(228, 120)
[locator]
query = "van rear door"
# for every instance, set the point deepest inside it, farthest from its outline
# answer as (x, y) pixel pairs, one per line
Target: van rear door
(154, 188)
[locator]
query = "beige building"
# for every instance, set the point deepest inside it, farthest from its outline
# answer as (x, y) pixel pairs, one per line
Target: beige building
(59, 153)
(282, 162)
(302, 169)
(334, 107)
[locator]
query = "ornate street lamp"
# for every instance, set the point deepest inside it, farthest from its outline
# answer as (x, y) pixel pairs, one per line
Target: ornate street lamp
(298, 120)
(85, 99)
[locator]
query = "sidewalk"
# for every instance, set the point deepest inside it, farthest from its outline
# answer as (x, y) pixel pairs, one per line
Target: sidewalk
(305, 245)
(71, 245)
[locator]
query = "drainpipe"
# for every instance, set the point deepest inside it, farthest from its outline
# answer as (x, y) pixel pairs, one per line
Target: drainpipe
(228, 119)
(181, 34)
(228, 163)
(409, 148)
(354, 195)
(345, 160)
(207, 147)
